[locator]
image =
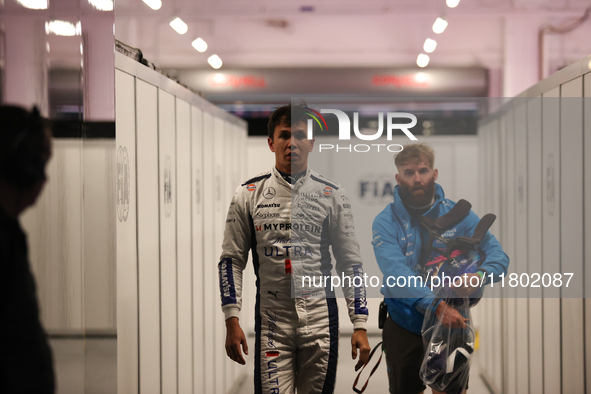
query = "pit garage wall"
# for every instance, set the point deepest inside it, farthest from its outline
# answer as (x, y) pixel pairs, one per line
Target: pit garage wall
(535, 160)
(179, 159)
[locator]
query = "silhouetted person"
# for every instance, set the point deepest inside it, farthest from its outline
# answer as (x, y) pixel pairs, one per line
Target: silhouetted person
(25, 357)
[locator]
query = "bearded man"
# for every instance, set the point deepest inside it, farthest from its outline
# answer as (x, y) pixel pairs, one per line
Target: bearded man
(397, 240)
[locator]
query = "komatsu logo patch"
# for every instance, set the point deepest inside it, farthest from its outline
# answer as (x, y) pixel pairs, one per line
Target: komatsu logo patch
(227, 282)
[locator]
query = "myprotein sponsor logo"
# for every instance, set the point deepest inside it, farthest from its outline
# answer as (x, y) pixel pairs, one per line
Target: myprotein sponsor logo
(309, 228)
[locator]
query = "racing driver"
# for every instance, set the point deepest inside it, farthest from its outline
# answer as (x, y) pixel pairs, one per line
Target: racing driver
(288, 217)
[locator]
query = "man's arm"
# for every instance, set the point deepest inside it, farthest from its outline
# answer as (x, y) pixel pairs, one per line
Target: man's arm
(348, 257)
(232, 262)
(495, 262)
(392, 263)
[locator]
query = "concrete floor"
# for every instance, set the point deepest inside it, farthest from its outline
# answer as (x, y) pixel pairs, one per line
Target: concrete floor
(86, 366)
(379, 381)
(89, 366)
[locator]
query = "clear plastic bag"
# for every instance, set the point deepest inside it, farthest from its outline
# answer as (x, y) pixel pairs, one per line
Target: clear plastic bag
(446, 364)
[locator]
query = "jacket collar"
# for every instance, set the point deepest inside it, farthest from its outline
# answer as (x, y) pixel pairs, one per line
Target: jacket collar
(399, 208)
(283, 182)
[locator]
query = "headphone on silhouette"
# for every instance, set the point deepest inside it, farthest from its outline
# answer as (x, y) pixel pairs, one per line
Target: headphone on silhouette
(24, 164)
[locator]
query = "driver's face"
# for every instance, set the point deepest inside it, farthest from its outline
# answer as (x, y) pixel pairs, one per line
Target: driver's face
(417, 183)
(291, 147)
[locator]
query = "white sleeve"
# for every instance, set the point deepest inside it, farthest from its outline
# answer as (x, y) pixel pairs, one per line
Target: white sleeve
(234, 253)
(348, 256)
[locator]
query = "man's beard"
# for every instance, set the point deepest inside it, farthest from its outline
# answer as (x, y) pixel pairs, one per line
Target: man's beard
(418, 200)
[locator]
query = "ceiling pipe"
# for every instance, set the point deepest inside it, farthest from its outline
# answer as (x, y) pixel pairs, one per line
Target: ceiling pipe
(547, 28)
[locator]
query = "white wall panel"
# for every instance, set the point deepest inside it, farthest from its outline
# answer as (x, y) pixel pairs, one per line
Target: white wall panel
(127, 295)
(99, 161)
(495, 193)
(211, 302)
(148, 237)
(187, 168)
(220, 210)
(232, 181)
(551, 236)
(485, 326)
(509, 244)
(466, 171)
(534, 241)
(520, 262)
(571, 245)
(587, 191)
(54, 235)
(199, 356)
(183, 217)
(168, 260)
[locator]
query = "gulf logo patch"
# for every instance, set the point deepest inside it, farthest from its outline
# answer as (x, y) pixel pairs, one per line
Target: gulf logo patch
(251, 188)
(327, 191)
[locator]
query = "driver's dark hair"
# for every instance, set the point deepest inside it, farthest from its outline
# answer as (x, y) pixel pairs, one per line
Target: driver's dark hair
(286, 115)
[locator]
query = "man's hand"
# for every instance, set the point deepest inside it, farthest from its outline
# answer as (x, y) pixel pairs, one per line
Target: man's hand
(234, 338)
(449, 316)
(359, 341)
(466, 288)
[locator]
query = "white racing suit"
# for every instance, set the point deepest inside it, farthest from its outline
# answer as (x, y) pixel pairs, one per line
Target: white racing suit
(289, 229)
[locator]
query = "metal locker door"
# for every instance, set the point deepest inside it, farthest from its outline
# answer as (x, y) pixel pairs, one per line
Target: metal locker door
(199, 358)
(183, 218)
(127, 259)
(168, 255)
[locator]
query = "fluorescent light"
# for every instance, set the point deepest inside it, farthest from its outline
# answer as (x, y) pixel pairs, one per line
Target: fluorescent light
(452, 3)
(62, 28)
(200, 45)
(153, 4)
(439, 25)
(421, 77)
(102, 5)
(429, 45)
(179, 26)
(219, 78)
(215, 61)
(422, 60)
(33, 4)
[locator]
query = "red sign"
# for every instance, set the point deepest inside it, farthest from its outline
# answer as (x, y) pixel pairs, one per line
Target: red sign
(236, 81)
(399, 81)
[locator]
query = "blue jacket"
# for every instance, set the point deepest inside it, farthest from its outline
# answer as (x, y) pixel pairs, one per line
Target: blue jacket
(396, 239)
